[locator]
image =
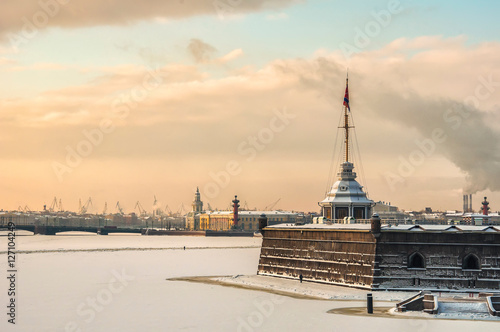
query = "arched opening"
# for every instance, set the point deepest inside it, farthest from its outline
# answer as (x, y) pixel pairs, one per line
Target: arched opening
(471, 262)
(416, 261)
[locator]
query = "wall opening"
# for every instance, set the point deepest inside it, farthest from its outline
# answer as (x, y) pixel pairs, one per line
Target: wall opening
(471, 262)
(416, 261)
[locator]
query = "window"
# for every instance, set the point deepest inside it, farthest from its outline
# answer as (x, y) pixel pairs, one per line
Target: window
(416, 261)
(471, 262)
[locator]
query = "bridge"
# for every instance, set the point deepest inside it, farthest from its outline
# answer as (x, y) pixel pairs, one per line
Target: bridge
(52, 230)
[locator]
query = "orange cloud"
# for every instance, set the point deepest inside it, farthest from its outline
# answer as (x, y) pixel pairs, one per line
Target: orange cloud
(194, 121)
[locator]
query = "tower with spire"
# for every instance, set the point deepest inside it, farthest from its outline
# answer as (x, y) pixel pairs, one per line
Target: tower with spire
(346, 198)
(197, 203)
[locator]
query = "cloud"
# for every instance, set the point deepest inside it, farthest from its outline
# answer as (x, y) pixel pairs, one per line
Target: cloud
(204, 53)
(231, 56)
(201, 51)
(38, 15)
(399, 95)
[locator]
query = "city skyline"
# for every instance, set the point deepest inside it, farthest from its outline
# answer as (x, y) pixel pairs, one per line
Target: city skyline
(243, 98)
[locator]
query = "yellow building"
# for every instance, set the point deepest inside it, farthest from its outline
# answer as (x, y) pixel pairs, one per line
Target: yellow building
(216, 220)
(248, 220)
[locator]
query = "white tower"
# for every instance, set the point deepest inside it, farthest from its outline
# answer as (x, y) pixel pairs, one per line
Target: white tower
(346, 197)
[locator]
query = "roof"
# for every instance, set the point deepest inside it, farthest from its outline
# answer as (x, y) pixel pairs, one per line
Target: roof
(389, 228)
(324, 226)
(267, 213)
(442, 228)
(253, 213)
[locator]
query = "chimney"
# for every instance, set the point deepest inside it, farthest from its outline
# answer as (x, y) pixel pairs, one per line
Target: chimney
(466, 203)
(470, 203)
(376, 225)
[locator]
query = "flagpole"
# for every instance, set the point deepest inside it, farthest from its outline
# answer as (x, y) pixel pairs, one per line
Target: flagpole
(346, 122)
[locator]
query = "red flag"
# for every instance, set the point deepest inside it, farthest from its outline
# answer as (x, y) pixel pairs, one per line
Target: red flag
(346, 96)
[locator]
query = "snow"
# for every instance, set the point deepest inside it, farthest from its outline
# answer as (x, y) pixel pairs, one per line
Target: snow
(324, 226)
(456, 310)
(442, 228)
(90, 241)
(105, 289)
(311, 289)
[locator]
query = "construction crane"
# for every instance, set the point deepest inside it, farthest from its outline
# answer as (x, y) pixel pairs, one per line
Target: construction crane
(182, 210)
(84, 209)
(272, 205)
(209, 207)
(168, 211)
(53, 206)
(142, 212)
(245, 206)
(118, 206)
(61, 209)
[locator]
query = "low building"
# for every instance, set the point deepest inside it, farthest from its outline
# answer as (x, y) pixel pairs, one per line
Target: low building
(247, 220)
(387, 211)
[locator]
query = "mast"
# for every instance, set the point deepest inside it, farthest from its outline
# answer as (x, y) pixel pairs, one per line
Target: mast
(346, 126)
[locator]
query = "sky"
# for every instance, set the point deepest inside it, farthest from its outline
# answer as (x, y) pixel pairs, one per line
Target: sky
(126, 100)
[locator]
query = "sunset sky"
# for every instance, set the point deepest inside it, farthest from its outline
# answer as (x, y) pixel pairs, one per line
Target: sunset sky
(124, 100)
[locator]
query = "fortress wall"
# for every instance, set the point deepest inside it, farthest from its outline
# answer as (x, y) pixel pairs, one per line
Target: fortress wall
(331, 256)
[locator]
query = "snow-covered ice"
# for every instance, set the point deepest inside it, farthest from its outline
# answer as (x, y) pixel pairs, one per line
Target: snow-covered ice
(127, 290)
(312, 289)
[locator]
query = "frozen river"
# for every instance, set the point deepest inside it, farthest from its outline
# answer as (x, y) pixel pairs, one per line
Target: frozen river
(82, 283)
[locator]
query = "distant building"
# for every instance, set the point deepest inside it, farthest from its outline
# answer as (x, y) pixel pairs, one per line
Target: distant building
(193, 217)
(248, 220)
(386, 211)
(126, 220)
(197, 203)
(200, 220)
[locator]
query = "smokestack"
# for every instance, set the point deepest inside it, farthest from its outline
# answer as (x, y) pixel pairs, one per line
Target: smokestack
(466, 207)
(463, 204)
(470, 203)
